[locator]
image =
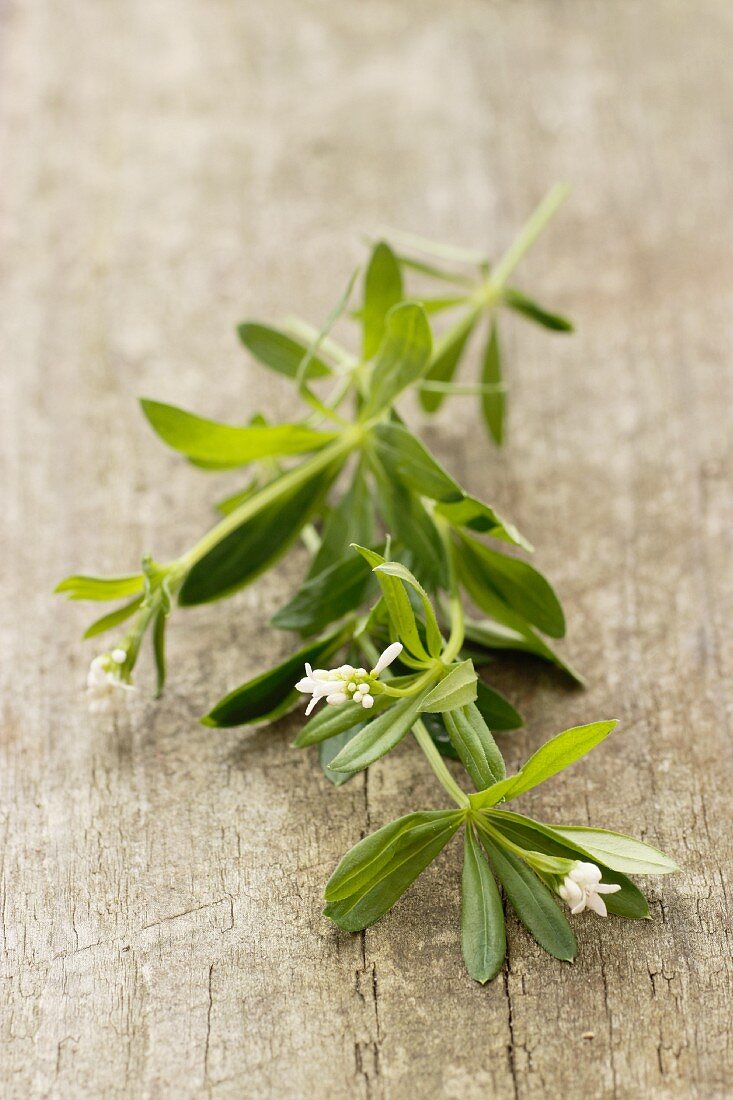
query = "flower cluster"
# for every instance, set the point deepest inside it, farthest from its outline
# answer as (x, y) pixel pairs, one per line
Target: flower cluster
(581, 888)
(338, 685)
(105, 679)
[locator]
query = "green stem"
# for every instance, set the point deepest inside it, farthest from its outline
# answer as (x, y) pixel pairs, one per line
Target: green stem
(266, 495)
(437, 763)
(529, 234)
(419, 684)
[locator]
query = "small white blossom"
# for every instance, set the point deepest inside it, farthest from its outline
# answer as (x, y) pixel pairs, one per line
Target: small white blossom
(338, 685)
(390, 654)
(582, 887)
(105, 682)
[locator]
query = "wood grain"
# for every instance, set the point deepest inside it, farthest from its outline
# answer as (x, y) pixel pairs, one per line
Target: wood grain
(169, 169)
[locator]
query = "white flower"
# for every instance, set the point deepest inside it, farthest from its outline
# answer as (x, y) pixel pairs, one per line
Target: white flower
(105, 682)
(390, 654)
(581, 889)
(337, 685)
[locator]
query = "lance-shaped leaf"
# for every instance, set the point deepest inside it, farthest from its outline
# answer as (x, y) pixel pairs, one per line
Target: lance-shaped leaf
(398, 605)
(332, 721)
(496, 710)
(456, 689)
(328, 750)
(278, 351)
(447, 355)
(223, 445)
(407, 519)
(260, 539)
(618, 851)
(514, 634)
(379, 737)
(350, 521)
(335, 592)
(382, 291)
(406, 459)
(101, 588)
(113, 619)
(488, 574)
(483, 932)
(554, 756)
(519, 302)
(476, 747)
(477, 516)
(493, 404)
(272, 693)
(432, 630)
(377, 871)
(402, 359)
(533, 836)
(533, 903)
(230, 503)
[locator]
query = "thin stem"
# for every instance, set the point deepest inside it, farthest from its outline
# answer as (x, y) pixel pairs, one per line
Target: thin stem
(529, 233)
(437, 763)
(269, 493)
(417, 686)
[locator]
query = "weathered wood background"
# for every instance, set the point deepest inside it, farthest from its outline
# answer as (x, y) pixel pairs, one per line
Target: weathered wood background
(171, 167)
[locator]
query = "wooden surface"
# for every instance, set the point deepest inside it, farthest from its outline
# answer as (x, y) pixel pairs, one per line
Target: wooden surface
(167, 169)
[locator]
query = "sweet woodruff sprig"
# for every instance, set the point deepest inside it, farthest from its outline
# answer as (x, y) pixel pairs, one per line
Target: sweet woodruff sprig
(535, 864)
(381, 517)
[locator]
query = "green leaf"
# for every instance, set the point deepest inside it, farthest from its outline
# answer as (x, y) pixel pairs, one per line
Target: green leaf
(531, 835)
(456, 689)
(224, 445)
(330, 721)
(519, 637)
(377, 871)
(159, 651)
(398, 604)
(447, 354)
(382, 291)
(260, 539)
(406, 459)
(483, 933)
(115, 618)
(232, 502)
(407, 519)
(533, 903)
(380, 736)
(554, 756)
(328, 750)
(352, 520)
(496, 711)
(488, 574)
(101, 588)
(618, 851)
(272, 693)
(278, 351)
(522, 304)
(335, 592)
(476, 748)
(477, 516)
(402, 359)
(432, 630)
(493, 405)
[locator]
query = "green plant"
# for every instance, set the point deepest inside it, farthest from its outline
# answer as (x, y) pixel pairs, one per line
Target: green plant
(382, 518)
